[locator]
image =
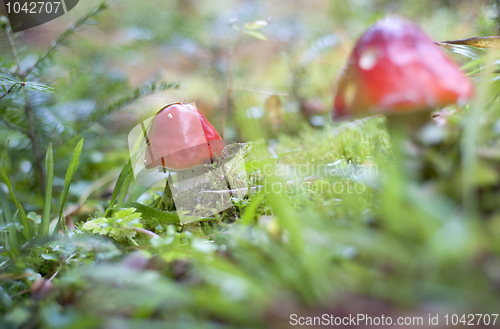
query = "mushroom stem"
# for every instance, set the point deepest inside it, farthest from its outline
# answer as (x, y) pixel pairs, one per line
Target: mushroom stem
(407, 124)
(167, 200)
(403, 130)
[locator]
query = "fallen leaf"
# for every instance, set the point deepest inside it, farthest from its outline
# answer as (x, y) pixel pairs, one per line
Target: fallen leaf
(480, 42)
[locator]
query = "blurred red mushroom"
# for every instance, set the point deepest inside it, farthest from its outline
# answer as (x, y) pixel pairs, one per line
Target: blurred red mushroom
(395, 68)
(180, 137)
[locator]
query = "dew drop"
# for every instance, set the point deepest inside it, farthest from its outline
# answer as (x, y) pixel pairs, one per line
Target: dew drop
(170, 116)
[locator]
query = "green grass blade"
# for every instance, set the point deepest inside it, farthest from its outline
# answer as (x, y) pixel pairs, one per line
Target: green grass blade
(22, 213)
(49, 167)
(251, 210)
(73, 166)
(13, 245)
(124, 190)
(5, 215)
(286, 217)
(126, 171)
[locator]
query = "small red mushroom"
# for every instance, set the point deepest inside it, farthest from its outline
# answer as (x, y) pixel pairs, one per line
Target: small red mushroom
(395, 68)
(180, 137)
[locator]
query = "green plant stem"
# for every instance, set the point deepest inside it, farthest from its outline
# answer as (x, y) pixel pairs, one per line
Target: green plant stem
(8, 91)
(70, 173)
(139, 229)
(20, 209)
(469, 147)
(13, 126)
(13, 50)
(36, 148)
(49, 167)
(133, 241)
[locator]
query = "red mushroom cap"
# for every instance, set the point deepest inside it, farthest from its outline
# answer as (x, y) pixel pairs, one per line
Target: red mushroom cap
(395, 68)
(180, 137)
